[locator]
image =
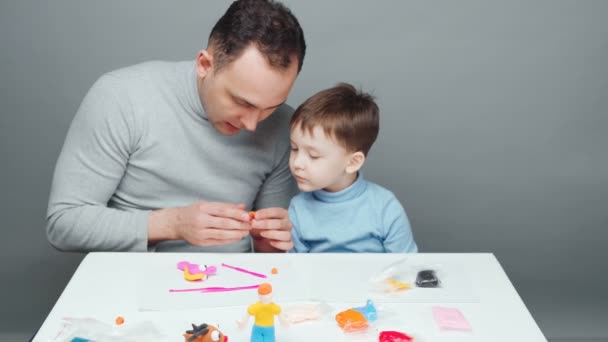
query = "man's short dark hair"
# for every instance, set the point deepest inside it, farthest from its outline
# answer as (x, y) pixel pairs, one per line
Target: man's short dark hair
(268, 25)
(349, 116)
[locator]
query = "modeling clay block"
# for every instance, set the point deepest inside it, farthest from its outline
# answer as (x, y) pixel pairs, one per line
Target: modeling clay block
(369, 311)
(351, 320)
(394, 336)
(357, 318)
(427, 278)
(450, 319)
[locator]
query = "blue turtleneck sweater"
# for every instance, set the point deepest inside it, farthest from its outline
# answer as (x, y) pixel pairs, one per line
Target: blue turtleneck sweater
(364, 217)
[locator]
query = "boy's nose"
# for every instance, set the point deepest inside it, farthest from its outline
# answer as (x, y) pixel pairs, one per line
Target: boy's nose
(297, 162)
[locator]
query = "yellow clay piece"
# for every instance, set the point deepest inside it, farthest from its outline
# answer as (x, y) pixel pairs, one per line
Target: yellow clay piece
(399, 285)
(192, 277)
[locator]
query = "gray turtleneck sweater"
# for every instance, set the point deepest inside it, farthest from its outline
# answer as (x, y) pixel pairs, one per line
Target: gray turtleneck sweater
(141, 141)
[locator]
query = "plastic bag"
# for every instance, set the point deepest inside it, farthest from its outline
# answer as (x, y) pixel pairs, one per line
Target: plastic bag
(90, 329)
(304, 312)
(404, 275)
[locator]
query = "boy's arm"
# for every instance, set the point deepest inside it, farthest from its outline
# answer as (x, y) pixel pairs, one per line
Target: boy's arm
(398, 237)
(299, 246)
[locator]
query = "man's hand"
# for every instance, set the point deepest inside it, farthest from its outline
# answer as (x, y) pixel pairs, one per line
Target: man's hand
(271, 230)
(201, 224)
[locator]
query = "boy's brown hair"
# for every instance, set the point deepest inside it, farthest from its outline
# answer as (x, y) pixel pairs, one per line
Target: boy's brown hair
(345, 114)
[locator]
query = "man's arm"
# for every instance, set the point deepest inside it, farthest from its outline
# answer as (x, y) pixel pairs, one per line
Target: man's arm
(91, 164)
(276, 192)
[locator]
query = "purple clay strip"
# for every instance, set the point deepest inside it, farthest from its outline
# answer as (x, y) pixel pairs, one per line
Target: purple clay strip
(216, 289)
(245, 271)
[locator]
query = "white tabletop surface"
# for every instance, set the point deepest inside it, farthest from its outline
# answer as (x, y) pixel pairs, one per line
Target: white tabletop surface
(106, 285)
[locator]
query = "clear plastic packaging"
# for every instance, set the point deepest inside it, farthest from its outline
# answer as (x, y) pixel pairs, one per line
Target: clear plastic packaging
(304, 312)
(90, 329)
(404, 275)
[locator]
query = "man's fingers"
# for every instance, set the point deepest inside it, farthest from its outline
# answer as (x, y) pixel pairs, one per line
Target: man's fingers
(226, 210)
(213, 242)
(224, 234)
(271, 213)
(281, 224)
(282, 245)
(226, 223)
(278, 235)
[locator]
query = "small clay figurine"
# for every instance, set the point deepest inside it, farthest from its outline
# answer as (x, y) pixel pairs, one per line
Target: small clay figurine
(204, 333)
(263, 311)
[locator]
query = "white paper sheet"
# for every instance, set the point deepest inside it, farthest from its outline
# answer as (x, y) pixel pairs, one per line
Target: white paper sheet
(293, 283)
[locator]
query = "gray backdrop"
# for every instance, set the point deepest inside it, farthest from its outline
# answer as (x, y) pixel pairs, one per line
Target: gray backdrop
(493, 131)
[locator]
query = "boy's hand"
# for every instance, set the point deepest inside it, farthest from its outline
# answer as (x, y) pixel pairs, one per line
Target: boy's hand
(271, 230)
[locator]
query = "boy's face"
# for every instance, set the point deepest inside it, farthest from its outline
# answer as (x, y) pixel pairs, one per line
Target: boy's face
(318, 161)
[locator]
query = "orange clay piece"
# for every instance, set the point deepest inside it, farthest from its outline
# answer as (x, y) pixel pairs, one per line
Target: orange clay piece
(119, 320)
(351, 320)
(274, 270)
(252, 215)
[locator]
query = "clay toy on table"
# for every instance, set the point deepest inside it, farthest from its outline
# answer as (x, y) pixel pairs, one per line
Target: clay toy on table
(204, 333)
(263, 311)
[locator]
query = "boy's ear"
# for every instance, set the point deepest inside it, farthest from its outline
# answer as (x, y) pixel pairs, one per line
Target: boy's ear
(204, 63)
(356, 162)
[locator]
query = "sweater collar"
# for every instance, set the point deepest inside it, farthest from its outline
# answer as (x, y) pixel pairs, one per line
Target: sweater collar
(349, 193)
(193, 100)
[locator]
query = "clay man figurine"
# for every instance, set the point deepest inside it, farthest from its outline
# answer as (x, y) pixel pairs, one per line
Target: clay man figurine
(204, 333)
(263, 311)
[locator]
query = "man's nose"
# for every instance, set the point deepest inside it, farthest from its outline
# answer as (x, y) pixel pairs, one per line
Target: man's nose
(250, 121)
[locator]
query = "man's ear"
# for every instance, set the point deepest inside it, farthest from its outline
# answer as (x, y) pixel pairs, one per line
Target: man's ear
(204, 63)
(356, 162)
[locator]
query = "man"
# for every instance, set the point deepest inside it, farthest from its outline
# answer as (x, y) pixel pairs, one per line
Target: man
(172, 156)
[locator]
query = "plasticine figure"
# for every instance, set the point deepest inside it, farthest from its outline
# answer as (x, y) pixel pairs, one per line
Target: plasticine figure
(263, 311)
(204, 333)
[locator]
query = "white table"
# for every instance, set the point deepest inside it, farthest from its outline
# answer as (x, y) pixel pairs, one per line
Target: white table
(105, 284)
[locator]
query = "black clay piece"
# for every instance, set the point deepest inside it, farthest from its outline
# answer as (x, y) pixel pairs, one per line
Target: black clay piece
(427, 278)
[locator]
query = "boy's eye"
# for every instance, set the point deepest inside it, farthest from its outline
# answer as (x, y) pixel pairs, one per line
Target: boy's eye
(314, 157)
(294, 148)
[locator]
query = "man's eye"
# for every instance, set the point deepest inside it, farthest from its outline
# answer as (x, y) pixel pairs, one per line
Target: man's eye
(294, 149)
(314, 157)
(242, 103)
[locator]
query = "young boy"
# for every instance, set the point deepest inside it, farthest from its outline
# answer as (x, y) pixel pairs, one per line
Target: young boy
(338, 210)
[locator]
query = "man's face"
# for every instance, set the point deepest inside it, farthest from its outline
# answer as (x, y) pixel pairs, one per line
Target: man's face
(317, 161)
(243, 92)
